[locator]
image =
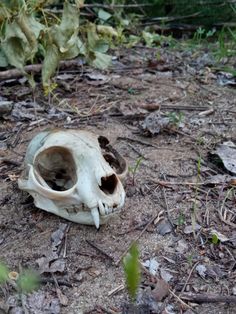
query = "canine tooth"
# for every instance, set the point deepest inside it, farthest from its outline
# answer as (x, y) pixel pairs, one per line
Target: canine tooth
(95, 215)
(102, 209)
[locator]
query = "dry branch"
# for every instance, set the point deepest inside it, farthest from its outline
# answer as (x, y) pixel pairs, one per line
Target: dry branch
(35, 68)
(208, 298)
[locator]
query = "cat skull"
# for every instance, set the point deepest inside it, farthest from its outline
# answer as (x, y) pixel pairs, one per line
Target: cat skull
(74, 174)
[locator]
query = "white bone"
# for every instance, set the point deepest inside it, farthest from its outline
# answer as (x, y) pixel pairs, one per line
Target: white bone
(95, 215)
(67, 175)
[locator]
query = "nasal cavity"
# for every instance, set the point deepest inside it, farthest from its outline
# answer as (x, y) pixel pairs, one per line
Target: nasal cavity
(109, 184)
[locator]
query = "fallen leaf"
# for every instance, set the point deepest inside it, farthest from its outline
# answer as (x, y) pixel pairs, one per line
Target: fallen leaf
(164, 227)
(219, 235)
(201, 270)
(41, 302)
(165, 275)
(192, 228)
(182, 246)
(62, 298)
(58, 235)
(227, 153)
(161, 290)
(154, 123)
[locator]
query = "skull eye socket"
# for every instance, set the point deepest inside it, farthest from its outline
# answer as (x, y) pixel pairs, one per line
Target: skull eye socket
(57, 168)
(109, 184)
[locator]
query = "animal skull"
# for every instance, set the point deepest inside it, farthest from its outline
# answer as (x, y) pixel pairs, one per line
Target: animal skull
(74, 174)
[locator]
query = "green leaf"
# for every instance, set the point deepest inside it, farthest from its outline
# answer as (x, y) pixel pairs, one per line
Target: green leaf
(92, 36)
(101, 60)
(214, 239)
(19, 42)
(132, 270)
(107, 30)
(50, 63)
(28, 281)
(14, 49)
(3, 273)
(3, 59)
(65, 34)
(104, 15)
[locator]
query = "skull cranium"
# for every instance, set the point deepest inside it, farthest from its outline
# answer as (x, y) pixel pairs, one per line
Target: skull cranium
(74, 174)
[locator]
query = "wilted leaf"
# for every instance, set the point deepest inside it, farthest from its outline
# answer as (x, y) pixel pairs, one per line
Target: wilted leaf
(227, 153)
(19, 44)
(161, 290)
(132, 270)
(50, 63)
(3, 59)
(107, 30)
(101, 61)
(104, 15)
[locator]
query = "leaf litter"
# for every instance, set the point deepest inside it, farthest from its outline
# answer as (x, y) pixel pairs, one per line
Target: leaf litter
(198, 205)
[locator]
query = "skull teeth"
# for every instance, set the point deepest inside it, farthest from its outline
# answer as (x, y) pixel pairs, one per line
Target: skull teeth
(95, 215)
(102, 208)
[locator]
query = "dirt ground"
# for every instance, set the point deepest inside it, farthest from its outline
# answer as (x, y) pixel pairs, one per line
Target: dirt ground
(171, 112)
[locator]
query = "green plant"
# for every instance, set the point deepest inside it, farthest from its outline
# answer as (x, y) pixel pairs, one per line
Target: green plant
(30, 31)
(132, 271)
(175, 118)
(26, 282)
(214, 239)
(190, 259)
(181, 219)
(134, 169)
(3, 273)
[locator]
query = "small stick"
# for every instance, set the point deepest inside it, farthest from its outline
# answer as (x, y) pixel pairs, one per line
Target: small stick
(178, 298)
(168, 211)
(166, 183)
(100, 250)
(117, 289)
(189, 276)
(208, 298)
(135, 240)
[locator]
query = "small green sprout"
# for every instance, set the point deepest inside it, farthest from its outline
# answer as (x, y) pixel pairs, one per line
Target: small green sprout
(181, 219)
(214, 239)
(134, 169)
(28, 281)
(132, 271)
(3, 273)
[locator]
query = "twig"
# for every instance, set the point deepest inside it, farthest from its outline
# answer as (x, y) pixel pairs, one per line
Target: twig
(168, 211)
(208, 298)
(100, 250)
(45, 280)
(117, 289)
(135, 240)
(35, 68)
(190, 274)
(116, 6)
(168, 183)
(178, 298)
